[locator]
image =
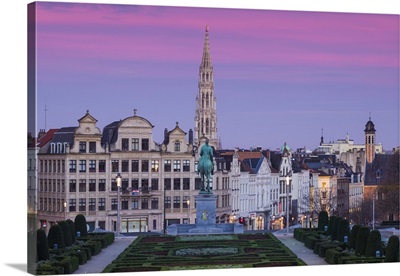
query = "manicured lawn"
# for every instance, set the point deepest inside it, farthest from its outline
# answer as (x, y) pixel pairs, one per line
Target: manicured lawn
(160, 253)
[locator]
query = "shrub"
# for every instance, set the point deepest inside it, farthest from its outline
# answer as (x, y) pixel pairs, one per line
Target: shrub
(392, 250)
(80, 225)
(332, 256)
(330, 224)
(374, 243)
(362, 237)
(335, 227)
(322, 220)
(343, 230)
(42, 245)
(72, 230)
(55, 236)
(66, 233)
(353, 236)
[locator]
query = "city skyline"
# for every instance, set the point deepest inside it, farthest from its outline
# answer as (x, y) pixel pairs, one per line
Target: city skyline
(280, 76)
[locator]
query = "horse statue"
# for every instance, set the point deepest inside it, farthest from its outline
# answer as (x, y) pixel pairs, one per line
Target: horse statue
(206, 166)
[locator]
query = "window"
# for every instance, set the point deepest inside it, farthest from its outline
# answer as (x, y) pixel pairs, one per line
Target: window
(124, 184)
(177, 183)
(167, 203)
(154, 165)
(135, 144)
(197, 183)
(154, 203)
(92, 185)
(145, 203)
(125, 144)
(92, 147)
(167, 165)
(92, 165)
(135, 166)
(186, 165)
(135, 203)
(114, 186)
(72, 205)
(177, 146)
(177, 165)
(154, 184)
(102, 165)
(92, 204)
(177, 202)
(135, 183)
(125, 166)
(82, 185)
(72, 166)
(82, 165)
(167, 184)
(145, 165)
(82, 147)
(102, 185)
(114, 204)
(185, 202)
(124, 204)
(72, 185)
(115, 165)
(145, 185)
(145, 144)
(102, 204)
(186, 184)
(82, 204)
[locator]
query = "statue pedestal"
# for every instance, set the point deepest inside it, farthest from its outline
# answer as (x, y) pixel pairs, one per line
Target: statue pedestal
(206, 204)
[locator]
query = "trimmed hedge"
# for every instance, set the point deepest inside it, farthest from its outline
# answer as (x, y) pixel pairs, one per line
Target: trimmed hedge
(55, 236)
(353, 236)
(374, 243)
(42, 245)
(72, 230)
(392, 250)
(66, 233)
(323, 220)
(80, 225)
(362, 238)
(343, 230)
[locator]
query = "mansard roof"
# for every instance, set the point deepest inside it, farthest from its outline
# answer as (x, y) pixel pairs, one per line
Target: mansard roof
(253, 164)
(110, 133)
(375, 171)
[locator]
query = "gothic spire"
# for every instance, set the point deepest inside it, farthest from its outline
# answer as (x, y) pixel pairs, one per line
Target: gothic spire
(206, 60)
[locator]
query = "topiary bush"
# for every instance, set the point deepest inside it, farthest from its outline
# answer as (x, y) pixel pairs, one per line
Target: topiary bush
(66, 233)
(42, 245)
(343, 230)
(362, 238)
(374, 243)
(330, 224)
(353, 236)
(392, 250)
(80, 225)
(335, 227)
(72, 230)
(322, 220)
(55, 236)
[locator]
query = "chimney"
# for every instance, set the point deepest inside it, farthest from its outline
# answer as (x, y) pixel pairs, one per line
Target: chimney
(42, 132)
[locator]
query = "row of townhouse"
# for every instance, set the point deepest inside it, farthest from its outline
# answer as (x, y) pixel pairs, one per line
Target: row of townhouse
(78, 167)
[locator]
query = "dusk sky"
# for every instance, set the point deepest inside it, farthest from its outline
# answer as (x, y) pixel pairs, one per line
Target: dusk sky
(280, 76)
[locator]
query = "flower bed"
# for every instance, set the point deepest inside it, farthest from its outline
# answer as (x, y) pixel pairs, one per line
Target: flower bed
(203, 252)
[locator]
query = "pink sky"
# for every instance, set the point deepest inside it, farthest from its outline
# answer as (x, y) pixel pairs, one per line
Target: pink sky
(305, 59)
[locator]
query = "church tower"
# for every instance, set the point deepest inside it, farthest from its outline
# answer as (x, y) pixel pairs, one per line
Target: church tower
(370, 141)
(206, 103)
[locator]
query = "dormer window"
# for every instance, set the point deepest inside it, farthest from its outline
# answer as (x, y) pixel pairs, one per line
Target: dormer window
(177, 146)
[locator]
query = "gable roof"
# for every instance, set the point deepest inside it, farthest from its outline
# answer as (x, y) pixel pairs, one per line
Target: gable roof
(46, 137)
(375, 171)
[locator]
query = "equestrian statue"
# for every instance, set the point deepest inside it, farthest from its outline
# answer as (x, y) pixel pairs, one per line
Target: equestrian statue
(206, 167)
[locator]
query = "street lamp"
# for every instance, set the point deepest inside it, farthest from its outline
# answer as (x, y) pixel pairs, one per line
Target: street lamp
(65, 210)
(118, 179)
(287, 204)
(188, 209)
(373, 212)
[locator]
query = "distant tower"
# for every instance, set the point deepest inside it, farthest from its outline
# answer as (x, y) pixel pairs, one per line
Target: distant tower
(206, 103)
(370, 140)
(322, 137)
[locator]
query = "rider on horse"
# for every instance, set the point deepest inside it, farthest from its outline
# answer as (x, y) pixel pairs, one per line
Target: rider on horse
(206, 166)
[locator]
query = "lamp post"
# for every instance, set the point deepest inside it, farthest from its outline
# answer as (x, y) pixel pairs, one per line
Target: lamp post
(287, 204)
(65, 210)
(118, 179)
(188, 209)
(373, 211)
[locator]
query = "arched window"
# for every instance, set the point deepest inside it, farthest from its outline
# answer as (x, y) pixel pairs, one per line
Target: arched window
(52, 148)
(207, 101)
(207, 126)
